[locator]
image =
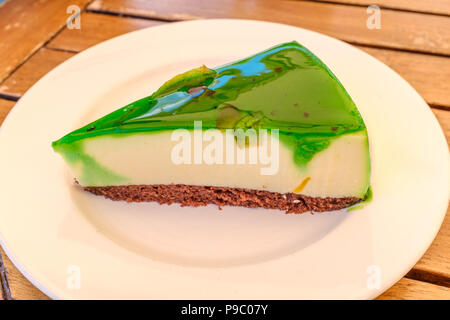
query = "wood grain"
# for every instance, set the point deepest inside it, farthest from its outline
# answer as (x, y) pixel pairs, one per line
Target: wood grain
(97, 28)
(21, 288)
(433, 6)
(400, 30)
(408, 289)
(427, 74)
(32, 70)
(26, 25)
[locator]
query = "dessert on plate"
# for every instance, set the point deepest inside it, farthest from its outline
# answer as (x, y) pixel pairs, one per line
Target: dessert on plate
(274, 130)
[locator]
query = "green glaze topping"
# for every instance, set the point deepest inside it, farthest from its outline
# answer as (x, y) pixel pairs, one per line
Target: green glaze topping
(285, 87)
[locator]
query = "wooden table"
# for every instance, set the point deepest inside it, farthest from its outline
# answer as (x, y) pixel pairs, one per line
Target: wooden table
(414, 40)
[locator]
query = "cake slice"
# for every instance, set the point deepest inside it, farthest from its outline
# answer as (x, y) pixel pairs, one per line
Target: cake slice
(274, 130)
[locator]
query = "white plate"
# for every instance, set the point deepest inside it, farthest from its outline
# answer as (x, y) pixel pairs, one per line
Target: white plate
(51, 230)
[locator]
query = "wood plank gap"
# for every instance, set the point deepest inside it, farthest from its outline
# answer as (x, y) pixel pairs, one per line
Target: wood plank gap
(427, 276)
(395, 49)
(129, 15)
(60, 49)
(9, 97)
(383, 7)
(43, 45)
(156, 18)
(37, 48)
(434, 106)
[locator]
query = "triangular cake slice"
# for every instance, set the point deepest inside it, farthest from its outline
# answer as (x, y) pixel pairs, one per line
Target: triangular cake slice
(275, 130)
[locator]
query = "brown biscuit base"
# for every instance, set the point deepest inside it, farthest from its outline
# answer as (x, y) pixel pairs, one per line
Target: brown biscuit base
(188, 195)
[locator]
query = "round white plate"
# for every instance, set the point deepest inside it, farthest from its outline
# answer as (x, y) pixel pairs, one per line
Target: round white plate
(72, 244)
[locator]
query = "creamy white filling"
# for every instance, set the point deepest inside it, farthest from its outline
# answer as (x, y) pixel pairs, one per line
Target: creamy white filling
(341, 170)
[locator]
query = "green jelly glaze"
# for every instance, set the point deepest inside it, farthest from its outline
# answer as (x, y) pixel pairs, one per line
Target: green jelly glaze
(285, 87)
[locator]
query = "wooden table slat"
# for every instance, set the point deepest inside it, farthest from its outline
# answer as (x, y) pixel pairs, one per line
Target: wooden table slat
(32, 70)
(26, 25)
(428, 74)
(408, 289)
(400, 30)
(88, 35)
(430, 6)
